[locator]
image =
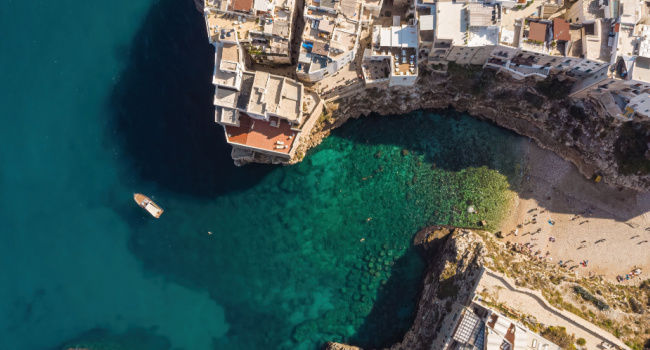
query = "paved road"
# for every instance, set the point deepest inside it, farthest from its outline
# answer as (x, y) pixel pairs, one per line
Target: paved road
(532, 302)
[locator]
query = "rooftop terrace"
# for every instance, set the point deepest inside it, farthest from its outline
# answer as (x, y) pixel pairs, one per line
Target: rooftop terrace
(481, 36)
(261, 134)
(220, 21)
(641, 70)
(219, 76)
(450, 22)
(597, 41)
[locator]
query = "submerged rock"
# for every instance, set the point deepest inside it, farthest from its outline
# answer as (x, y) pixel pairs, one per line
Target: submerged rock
(442, 247)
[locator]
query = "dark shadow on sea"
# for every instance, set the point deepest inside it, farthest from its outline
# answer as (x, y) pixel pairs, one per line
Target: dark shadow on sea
(162, 111)
(394, 310)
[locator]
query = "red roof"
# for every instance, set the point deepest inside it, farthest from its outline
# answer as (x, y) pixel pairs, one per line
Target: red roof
(537, 31)
(242, 5)
(259, 133)
(561, 29)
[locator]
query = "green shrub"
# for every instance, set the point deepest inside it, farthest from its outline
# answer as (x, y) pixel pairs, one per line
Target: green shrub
(601, 305)
(559, 336)
(581, 341)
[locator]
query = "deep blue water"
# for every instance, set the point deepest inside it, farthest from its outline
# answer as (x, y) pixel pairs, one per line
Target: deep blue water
(102, 99)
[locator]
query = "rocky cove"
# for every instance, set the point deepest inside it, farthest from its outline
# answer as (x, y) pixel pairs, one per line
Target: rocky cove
(579, 130)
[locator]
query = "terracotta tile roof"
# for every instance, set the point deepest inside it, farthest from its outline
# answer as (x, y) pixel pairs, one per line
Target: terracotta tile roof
(260, 134)
(537, 31)
(561, 29)
(242, 5)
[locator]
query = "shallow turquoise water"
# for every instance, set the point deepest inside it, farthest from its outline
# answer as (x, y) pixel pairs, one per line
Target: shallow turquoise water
(101, 100)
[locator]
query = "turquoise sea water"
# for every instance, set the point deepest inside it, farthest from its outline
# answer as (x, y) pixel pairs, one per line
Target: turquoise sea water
(103, 99)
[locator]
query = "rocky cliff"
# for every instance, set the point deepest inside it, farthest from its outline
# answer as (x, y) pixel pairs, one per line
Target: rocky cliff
(455, 258)
(579, 130)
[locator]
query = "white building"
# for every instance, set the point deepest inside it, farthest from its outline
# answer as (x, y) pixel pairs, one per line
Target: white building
(638, 106)
(481, 37)
(394, 53)
(330, 38)
(481, 328)
(264, 27)
(260, 113)
(451, 29)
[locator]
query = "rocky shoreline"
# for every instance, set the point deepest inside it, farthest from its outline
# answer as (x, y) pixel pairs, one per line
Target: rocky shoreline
(579, 130)
(455, 259)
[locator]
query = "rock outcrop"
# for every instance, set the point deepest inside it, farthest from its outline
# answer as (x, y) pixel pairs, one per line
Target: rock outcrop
(455, 259)
(579, 130)
(338, 346)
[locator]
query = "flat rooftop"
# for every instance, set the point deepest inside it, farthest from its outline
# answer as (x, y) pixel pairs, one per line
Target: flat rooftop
(630, 11)
(230, 52)
(328, 4)
(224, 97)
(351, 9)
(482, 36)
(641, 70)
(403, 36)
(481, 15)
(261, 134)
(219, 76)
(511, 23)
(597, 43)
(627, 41)
(450, 22)
(273, 93)
(242, 5)
(341, 43)
(257, 101)
(220, 21)
(290, 102)
(226, 116)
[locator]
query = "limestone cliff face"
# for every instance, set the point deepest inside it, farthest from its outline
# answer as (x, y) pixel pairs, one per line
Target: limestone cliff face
(455, 258)
(578, 130)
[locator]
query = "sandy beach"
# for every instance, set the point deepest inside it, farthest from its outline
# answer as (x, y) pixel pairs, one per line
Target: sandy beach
(608, 227)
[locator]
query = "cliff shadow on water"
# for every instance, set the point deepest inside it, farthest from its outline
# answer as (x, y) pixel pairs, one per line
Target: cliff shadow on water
(394, 308)
(538, 174)
(162, 111)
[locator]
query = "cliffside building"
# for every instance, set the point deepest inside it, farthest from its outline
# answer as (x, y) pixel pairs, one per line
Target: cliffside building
(263, 27)
(330, 39)
(620, 93)
(478, 327)
(261, 113)
(393, 56)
